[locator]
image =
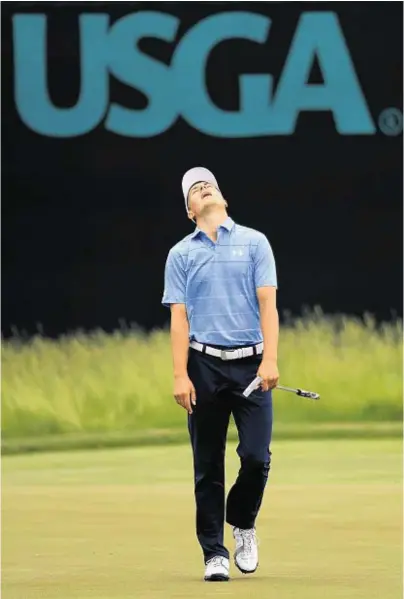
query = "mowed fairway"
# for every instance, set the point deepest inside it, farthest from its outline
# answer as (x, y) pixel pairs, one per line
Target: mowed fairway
(119, 524)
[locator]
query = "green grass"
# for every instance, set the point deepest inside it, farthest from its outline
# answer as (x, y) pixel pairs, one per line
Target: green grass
(149, 437)
(120, 524)
(123, 381)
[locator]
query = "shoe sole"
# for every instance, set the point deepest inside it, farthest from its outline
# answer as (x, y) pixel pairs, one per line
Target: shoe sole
(245, 571)
(217, 578)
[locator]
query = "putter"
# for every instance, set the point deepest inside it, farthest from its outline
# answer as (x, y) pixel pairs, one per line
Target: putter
(257, 381)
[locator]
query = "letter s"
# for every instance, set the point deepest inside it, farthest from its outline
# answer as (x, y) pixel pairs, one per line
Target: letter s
(30, 77)
(144, 73)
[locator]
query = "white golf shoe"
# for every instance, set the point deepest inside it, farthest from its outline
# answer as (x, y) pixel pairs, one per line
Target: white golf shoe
(246, 553)
(217, 569)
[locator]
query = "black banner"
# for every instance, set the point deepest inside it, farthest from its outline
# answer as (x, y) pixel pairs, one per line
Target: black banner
(296, 107)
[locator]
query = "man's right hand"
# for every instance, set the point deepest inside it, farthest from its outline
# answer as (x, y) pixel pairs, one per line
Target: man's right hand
(184, 392)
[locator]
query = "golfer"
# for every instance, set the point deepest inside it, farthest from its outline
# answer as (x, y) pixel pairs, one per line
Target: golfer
(220, 284)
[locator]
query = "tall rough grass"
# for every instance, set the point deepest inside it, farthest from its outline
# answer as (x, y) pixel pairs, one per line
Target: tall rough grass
(123, 381)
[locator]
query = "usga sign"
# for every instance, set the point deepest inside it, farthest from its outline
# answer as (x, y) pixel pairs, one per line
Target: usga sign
(180, 88)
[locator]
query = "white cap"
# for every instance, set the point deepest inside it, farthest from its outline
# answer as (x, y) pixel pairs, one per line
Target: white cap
(194, 175)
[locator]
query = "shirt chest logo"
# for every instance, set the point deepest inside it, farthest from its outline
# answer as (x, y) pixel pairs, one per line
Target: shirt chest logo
(238, 252)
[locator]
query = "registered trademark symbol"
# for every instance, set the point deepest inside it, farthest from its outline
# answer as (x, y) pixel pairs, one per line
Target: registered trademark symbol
(391, 121)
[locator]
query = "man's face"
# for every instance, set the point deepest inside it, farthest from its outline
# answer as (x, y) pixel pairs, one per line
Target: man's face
(202, 196)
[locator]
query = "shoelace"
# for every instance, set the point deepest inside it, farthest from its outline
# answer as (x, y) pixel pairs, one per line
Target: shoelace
(216, 561)
(248, 537)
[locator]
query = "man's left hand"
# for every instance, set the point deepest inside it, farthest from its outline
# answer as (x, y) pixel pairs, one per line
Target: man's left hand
(269, 373)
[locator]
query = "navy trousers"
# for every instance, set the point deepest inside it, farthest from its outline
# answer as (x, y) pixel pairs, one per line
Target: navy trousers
(219, 386)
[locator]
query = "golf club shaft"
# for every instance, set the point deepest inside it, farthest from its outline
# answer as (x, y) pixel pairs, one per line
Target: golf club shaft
(257, 381)
(282, 388)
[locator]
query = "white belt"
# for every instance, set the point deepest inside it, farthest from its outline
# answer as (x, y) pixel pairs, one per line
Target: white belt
(228, 354)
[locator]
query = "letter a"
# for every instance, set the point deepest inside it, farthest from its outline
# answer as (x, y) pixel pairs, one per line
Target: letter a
(320, 35)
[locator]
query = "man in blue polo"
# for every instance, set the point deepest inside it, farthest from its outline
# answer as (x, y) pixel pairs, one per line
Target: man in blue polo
(220, 284)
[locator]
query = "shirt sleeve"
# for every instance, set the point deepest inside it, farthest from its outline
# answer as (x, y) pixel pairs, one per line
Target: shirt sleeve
(174, 280)
(264, 265)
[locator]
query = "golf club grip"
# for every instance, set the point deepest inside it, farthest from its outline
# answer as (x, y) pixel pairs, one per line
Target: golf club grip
(252, 386)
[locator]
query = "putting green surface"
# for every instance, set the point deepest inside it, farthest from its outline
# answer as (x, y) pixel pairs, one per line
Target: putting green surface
(119, 524)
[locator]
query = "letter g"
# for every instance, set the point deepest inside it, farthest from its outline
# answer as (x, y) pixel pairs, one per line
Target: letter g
(189, 73)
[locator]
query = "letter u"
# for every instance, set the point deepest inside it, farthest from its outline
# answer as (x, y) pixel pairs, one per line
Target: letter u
(30, 77)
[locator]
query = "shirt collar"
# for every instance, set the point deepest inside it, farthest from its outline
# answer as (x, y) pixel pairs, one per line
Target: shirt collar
(228, 224)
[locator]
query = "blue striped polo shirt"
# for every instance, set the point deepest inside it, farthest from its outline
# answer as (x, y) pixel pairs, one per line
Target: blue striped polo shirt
(217, 282)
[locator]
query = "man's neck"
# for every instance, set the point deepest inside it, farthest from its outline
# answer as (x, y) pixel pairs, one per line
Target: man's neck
(208, 223)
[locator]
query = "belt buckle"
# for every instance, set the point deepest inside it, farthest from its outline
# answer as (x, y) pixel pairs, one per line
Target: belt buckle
(223, 354)
(237, 352)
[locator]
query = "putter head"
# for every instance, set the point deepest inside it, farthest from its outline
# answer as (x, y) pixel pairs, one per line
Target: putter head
(309, 394)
